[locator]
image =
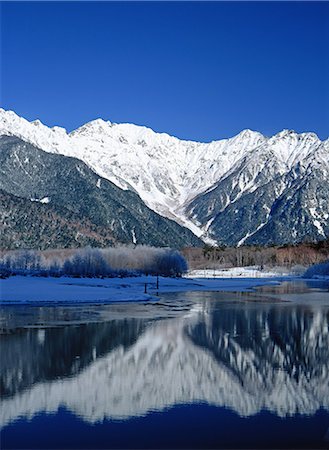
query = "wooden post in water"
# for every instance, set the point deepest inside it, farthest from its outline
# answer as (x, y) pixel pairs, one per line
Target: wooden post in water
(157, 282)
(145, 288)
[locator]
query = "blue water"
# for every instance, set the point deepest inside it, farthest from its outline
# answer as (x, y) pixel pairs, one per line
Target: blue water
(197, 426)
(194, 370)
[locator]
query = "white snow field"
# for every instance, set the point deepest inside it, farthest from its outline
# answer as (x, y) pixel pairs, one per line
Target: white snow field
(238, 272)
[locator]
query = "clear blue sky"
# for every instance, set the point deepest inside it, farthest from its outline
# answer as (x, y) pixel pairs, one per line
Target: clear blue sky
(199, 71)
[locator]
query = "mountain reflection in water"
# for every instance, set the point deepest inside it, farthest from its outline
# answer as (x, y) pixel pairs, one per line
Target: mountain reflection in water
(247, 357)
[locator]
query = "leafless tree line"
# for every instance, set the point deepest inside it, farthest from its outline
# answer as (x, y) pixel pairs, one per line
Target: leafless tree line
(94, 262)
(286, 256)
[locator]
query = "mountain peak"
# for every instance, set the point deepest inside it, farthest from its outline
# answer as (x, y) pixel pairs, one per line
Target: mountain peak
(97, 123)
(286, 133)
(94, 126)
(37, 123)
(247, 133)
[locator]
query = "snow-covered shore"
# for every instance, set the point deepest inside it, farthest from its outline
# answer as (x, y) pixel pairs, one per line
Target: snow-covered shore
(239, 272)
(19, 289)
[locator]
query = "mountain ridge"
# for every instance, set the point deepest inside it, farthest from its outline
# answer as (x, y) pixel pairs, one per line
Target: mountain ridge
(173, 177)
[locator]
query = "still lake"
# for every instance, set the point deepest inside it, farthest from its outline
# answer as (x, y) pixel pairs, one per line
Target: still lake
(192, 370)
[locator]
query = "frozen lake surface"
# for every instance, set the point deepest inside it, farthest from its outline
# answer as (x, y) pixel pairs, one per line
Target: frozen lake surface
(239, 369)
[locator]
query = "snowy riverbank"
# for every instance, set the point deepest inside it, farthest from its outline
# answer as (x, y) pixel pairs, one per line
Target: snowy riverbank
(239, 272)
(28, 289)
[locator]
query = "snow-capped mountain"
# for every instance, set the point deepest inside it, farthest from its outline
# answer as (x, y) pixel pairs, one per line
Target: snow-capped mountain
(275, 194)
(198, 184)
(75, 205)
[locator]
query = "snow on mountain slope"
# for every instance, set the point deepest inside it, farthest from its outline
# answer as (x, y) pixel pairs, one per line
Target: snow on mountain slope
(290, 147)
(250, 203)
(167, 173)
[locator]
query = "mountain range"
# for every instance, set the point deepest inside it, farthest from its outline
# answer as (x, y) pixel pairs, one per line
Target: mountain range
(249, 189)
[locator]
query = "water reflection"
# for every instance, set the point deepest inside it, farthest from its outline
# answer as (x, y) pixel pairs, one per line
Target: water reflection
(244, 356)
(295, 287)
(33, 355)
